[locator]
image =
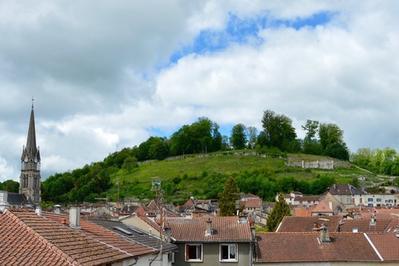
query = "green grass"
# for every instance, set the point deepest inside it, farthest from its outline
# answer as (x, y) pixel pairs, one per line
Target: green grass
(193, 175)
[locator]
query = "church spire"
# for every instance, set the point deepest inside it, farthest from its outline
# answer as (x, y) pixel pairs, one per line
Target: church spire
(31, 140)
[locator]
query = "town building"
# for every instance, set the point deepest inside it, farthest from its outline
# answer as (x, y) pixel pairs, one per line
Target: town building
(212, 241)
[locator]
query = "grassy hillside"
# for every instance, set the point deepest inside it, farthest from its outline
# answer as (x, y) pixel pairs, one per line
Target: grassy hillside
(203, 176)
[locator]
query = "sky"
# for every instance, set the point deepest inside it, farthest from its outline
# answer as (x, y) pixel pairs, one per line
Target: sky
(108, 74)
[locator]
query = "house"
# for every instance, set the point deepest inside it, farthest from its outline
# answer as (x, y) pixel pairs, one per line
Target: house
(298, 199)
(350, 196)
(141, 220)
(197, 207)
(376, 200)
(211, 241)
(345, 193)
(34, 238)
(251, 204)
(324, 208)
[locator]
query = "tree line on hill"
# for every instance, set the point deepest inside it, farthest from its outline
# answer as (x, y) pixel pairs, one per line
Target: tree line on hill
(380, 161)
(277, 137)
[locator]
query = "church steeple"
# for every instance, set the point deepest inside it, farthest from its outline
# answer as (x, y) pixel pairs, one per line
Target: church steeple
(30, 164)
(31, 140)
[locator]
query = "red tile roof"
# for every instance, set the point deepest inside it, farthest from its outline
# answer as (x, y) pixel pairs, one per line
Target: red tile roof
(387, 245)
(20, 245)
(106, 236)
(322, 207)
(306, 247)
(59, 244)
(302, 212)
(308, 224)
(251, 203)
(226, 229)
(363, 225)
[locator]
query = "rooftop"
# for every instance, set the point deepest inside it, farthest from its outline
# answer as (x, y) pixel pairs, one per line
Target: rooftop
(42, 239)
(306, 247)
(225, 229)
(308, 224)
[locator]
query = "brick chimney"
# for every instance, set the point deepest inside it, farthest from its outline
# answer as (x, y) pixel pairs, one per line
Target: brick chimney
(208, 231)
(74, 217)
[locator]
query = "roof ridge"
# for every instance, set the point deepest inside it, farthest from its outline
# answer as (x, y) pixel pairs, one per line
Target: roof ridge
(53, 247)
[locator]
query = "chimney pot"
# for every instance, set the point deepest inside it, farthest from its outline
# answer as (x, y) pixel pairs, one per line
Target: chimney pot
(38, 211)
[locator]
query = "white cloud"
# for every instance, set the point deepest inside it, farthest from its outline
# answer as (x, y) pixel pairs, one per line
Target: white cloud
(93, 71)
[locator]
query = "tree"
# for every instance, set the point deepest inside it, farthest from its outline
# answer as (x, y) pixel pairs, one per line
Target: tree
(311, 144)
(228, 198)
(130, 163)
(311, 128)
(10, 186)
(332, 143)
(238, 137)
(280, 210)
(252, 134)
(278, 131)
(217, 139)
(337, 150)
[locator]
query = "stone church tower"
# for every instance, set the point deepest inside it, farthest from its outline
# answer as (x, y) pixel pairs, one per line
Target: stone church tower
(30, 165)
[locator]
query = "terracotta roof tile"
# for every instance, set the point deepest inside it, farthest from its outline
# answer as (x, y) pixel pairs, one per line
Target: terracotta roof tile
(252, 203)
(306, 247)
(308, 224)
(226, 229)
(30, 239)
(363, 225)
(387, 245)
(20, 245)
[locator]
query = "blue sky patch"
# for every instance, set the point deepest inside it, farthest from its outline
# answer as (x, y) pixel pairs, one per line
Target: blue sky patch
(244, 31)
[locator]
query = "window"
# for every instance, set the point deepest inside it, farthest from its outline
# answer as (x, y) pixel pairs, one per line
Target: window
(194, 252)
(228, 252)
(370, 199)
(378, 200)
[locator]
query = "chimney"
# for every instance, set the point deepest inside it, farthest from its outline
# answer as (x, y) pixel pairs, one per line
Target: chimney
(373, 220)
(74, 217)
(208, 231)
(57, 209)
(38, 211)
(324, 235)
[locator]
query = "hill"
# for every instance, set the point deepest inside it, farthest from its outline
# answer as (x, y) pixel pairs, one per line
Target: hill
(203, 176)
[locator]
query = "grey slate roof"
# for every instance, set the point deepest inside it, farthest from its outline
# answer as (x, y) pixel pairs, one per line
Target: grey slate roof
(135, 234)
(339, 189)
(16, 199)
